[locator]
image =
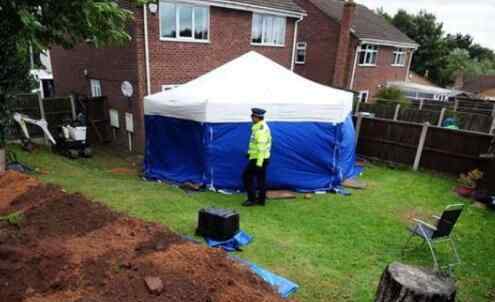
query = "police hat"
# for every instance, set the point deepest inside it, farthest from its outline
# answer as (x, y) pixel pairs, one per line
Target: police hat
(258, 112)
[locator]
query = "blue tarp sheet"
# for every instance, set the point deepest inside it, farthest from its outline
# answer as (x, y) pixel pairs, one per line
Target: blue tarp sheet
(306, 156)
(234, 244)
(283, 286)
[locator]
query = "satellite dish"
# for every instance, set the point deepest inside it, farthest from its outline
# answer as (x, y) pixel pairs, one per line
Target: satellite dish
(127, 89)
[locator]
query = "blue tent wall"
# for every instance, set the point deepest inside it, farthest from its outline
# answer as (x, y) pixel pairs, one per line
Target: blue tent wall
(174, 150)
(306, 156)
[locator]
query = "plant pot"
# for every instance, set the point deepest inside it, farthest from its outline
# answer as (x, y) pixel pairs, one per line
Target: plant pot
(464, 191)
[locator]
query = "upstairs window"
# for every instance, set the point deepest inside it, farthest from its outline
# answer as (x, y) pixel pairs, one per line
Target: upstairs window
(268, 30)
(301, 52)
(368, 54)
(95, 88)
(180, 21)
(399, 57)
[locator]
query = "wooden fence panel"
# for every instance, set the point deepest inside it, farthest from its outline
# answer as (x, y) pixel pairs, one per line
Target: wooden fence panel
(419, 116)
(380, 110)
(389, 140)
(445, 150)
(453, 151)
(472, 121)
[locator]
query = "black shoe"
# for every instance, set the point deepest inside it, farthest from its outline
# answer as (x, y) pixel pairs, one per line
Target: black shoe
(248, 203)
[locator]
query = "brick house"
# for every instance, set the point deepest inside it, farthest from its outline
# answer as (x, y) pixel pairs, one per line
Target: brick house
(344, 44)
(172, 43)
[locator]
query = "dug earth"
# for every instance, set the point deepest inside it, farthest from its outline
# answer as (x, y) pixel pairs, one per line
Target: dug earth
(59, 247)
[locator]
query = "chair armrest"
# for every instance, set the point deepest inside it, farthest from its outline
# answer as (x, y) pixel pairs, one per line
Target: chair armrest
(425, 224)
(436, 217)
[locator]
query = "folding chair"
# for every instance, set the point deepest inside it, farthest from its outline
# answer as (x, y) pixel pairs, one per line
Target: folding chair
(441, 232)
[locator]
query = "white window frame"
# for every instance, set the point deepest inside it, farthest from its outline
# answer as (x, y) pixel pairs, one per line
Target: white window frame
(301, 46)
(169, 87)
(370, 51)
(263, 30)
(95, 86)
(178, 38)
(399, 58)
(365, 93)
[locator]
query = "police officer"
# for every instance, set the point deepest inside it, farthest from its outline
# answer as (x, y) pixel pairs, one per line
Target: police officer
(254, 176)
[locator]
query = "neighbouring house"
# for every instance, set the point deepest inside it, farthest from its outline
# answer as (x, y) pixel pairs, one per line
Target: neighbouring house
(172, 43)
(344, 44)
(482, 87)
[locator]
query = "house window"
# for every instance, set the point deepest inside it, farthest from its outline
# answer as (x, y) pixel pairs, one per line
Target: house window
(187, 22)
(399, 57)
(95, 88)
(169, 87)
(368, 54)
(301, 52)
(363, 96)
(268, 30)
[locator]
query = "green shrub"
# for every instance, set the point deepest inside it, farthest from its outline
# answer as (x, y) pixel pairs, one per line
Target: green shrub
(391, 95)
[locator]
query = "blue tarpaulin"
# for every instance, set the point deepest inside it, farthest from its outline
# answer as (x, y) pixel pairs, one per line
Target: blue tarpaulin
(234, 244)
(283, 286)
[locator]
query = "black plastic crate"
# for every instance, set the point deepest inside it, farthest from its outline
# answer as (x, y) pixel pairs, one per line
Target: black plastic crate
(218, 224)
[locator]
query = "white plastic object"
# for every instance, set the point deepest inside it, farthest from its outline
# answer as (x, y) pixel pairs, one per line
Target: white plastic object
(77, 133)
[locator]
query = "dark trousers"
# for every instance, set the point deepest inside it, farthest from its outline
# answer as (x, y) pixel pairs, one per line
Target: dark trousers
(254, 179)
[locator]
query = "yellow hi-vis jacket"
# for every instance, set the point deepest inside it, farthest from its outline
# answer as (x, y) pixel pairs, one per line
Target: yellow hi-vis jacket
(260, 143)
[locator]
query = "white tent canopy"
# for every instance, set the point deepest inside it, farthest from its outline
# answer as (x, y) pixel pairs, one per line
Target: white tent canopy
(227, 94)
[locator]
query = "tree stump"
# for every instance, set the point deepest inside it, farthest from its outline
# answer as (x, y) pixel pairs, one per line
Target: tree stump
(406, 283)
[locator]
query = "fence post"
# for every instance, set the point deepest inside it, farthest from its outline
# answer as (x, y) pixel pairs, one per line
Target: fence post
(421, 104)
(73, 106)
(359, 122)
(442, 116)
(42, 107)
(456, 105)
(396, 113)
(421, 145)
(358, 104)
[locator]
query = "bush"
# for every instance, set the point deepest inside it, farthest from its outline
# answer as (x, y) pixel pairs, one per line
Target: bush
(391, 95)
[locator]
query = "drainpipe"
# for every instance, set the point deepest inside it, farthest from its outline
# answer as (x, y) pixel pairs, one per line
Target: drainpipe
(146, 50)
(294, 44)
(358, 49)
(409, 65)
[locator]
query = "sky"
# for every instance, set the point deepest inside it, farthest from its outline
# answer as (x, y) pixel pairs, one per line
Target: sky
(474, 17)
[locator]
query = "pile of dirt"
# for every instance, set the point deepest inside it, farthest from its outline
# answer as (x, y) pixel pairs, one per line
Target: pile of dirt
(69, 249)
(13, 184)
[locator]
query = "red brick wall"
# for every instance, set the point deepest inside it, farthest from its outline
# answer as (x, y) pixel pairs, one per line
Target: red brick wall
(230, 36)
(322, 35)
(171, 62)
(374, 77)
(109, 65)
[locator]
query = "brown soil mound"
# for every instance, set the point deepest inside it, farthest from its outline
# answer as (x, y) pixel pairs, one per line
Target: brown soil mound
(13, 184)
(69, 249)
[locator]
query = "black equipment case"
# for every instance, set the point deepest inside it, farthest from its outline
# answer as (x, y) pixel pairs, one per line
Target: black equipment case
(218, 224)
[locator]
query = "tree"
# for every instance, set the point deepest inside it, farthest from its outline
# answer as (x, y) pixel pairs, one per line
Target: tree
(442, 56)
(43, 23)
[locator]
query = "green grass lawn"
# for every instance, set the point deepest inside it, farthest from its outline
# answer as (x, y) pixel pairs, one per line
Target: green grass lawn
(334, 247)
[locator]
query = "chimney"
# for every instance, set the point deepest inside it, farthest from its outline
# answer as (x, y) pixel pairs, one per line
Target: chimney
(459, 80)
(339, 75)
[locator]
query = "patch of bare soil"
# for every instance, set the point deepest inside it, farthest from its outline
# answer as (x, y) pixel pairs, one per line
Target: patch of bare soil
(13, 184)
(124, 171)
(70, 249)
